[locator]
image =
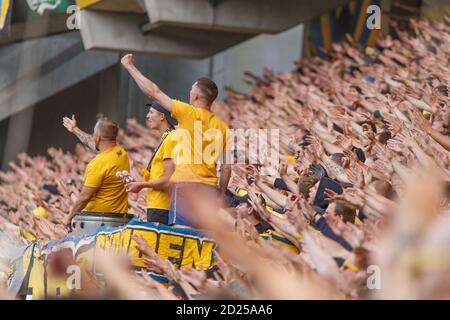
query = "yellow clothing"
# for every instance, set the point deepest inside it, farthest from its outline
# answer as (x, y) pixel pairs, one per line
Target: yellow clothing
(28, 236)
(159, 199)
(100, 173)
(290, 159)
(201, 138)
(280, 239)
(40, 212)
(242, 193)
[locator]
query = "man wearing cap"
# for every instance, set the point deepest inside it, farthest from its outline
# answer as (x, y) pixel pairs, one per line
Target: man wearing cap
(160, 168)
(206, 136)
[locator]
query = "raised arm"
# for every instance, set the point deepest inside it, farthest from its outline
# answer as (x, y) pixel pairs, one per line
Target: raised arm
(86, 139)
(150, 89)
(440, 138)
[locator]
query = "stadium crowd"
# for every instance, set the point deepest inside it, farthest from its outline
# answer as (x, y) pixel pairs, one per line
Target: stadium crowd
(362, 185)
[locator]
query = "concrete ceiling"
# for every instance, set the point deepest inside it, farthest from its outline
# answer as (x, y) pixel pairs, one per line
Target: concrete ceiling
(249, 16)
(182, 28)
(124, 6)
(122, 32)
(191, 29)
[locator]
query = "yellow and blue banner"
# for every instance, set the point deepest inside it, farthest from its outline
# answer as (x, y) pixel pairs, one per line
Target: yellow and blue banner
(87, 3)
(350, 18)
(5, 9)
(29, 276)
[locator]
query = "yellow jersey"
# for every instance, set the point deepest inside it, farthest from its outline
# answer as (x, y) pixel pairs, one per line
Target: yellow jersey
(111, 196)
(201, 138)
(160, 199)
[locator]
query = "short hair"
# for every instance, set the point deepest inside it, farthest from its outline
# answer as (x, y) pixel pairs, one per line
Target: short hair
(107, 129)
(382, 187)
(361, 257)
(371, 124)
(347, 214)
(384, 136)
(208, 89)
(306, 183)
(337, 158)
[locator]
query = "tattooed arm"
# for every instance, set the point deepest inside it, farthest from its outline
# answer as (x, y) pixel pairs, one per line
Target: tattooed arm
(86, 139)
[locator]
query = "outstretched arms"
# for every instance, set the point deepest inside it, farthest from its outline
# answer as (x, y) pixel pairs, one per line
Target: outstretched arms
(440, 138)
(150, 89)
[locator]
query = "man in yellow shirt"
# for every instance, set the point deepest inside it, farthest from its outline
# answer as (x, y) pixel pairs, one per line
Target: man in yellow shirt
(103, 191)
(202, 141)
(160, 168)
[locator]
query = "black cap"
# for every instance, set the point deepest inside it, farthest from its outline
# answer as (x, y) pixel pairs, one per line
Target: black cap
(155, 105)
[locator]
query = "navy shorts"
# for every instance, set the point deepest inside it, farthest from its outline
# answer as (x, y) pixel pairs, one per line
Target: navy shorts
(158, 215)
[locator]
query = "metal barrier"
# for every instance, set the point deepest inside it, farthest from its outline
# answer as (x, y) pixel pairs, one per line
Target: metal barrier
(87, 222)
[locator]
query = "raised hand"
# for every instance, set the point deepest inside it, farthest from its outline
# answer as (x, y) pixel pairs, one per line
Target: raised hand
(396, 145)
(283, 168)
(343, 141)
(197, 278)
(143, 246)
(154, 265)
(239, 182)
(127, 60)
(351, 197)
(367, 129)
(383, 166)
(418, 119)
(70, 123)
(315, 146)
(292, 201)
(356, 176)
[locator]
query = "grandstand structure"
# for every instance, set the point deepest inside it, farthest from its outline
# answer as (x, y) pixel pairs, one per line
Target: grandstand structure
(48, 70)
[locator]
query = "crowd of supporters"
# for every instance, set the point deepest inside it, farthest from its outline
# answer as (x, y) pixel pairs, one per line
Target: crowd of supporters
(362, 185)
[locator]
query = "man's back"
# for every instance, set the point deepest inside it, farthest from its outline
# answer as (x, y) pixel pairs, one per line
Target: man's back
(207, 137)
(101, 173)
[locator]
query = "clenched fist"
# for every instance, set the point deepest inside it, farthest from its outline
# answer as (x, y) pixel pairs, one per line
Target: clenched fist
(127, 60)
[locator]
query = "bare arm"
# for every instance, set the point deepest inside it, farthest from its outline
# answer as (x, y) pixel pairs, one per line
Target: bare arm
(82, 200)
(86, 139)
(419, 120)
(274, 195)
(224, 179)
(292, 186)
(159, 184)
(443, 140)
(149, 88)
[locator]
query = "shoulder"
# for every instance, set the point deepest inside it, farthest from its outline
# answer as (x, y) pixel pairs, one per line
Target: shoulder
(121, 156)
(121, 152)
(170, 139)
(94, 165)
(94, 161)
(179, 107)
(220, 123)
(182, 104)
(171, 134)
